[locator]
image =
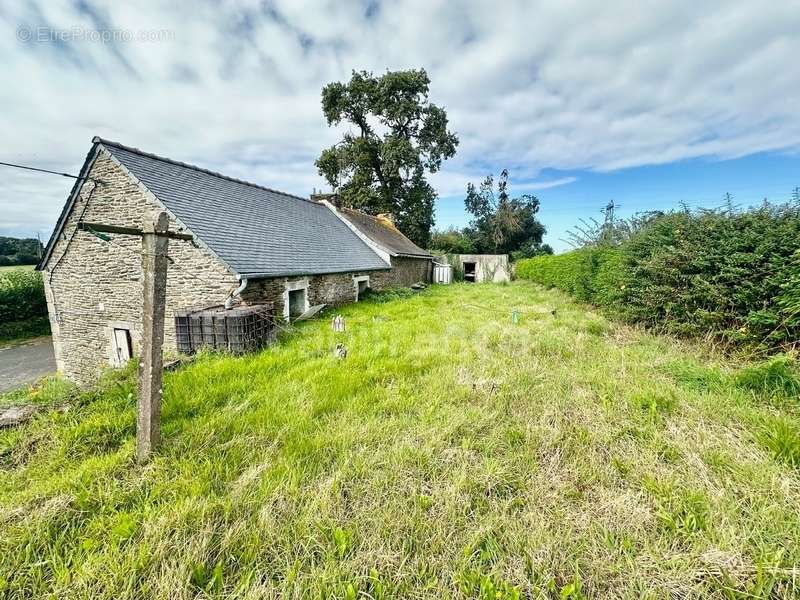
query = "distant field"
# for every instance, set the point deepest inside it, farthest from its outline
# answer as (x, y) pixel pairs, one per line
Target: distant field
(456, 452)
(21, 267)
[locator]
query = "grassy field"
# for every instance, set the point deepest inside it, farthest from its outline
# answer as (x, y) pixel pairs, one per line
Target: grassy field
(21, 267)
(453, 453)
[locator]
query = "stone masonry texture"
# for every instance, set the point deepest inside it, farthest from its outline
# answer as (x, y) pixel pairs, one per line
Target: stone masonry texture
(407, 271)
(94, 286)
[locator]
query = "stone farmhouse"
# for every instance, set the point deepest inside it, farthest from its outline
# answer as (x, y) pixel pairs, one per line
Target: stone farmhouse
(250, 245)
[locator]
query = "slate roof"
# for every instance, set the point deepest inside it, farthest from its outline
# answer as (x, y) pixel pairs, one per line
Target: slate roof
(384, 234)
(257, 231)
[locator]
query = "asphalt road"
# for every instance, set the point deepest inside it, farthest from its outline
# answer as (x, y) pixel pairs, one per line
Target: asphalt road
(24, 363)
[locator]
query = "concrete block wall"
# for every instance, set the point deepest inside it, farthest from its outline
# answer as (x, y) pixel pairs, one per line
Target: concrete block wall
(488, 267)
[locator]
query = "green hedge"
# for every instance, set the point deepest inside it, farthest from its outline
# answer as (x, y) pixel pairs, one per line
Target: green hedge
(23, 308)
(733, 276)
(588, 274)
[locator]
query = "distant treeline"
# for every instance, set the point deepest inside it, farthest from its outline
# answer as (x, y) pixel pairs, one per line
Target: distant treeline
(731, 275)
(16, 251)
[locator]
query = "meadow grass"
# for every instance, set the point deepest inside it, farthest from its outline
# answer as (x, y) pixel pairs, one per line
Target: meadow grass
(452, 453)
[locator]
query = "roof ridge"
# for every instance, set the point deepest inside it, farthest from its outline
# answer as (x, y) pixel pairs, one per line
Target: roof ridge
(377, 218)
(98, 140)
(355, 210)
(386, 224)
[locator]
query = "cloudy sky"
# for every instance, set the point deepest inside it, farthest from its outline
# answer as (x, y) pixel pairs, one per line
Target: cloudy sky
(581, 101)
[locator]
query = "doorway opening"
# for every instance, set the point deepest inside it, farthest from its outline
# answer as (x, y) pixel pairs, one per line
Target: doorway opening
(297, 302)
(362, 285)
(470, 272)
(123, 346)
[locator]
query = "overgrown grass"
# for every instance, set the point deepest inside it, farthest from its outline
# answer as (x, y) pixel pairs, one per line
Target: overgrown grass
(453, 453)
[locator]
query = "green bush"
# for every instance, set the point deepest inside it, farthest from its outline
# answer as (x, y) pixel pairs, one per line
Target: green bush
(589, 274)
(23, 308)
(735, 276)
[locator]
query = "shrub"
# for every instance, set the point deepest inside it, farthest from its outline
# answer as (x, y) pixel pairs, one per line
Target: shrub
(735, 276)
(23, 308)
(589, 274)
(452, 241)
(453, 261)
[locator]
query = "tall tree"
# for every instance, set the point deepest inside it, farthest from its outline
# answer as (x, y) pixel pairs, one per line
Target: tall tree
(399, 137)
(501, 224)
(452, 241)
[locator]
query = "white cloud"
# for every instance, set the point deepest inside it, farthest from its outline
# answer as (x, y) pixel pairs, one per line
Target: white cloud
(235, 85)
(545, 185)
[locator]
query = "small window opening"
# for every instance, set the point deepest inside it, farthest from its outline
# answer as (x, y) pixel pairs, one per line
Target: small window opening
(363, 286)
(297, 303)
(123, 347)
(470, 271)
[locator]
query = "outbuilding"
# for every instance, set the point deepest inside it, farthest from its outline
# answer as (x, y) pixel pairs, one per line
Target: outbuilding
(410, 263)
(249, 245)
(479, 268)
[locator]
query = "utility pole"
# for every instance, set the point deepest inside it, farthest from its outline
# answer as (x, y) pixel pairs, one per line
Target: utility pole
(607, 232)
(154, 269)
(155, 236)
(729, 202)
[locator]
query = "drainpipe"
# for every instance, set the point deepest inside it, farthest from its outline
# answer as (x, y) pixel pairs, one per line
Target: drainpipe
(237, 292)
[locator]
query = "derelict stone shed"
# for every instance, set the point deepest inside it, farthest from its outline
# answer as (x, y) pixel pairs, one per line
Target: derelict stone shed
(409, 262)
(249, 243)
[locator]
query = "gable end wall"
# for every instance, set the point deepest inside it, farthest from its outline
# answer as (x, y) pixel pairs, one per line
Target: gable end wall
(97, 285)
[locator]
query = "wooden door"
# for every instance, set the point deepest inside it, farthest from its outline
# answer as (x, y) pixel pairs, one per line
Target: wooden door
(122, 346)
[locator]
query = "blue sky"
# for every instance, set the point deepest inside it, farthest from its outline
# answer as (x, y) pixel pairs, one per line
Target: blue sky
(699, 182)
(581, 101)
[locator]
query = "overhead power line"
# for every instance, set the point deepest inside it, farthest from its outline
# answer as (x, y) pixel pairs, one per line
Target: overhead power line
(27, 168)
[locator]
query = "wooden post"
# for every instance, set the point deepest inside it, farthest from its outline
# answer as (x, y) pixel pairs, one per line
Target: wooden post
(154, 269)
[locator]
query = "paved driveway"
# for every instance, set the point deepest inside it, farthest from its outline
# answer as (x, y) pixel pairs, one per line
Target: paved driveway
(24, 363)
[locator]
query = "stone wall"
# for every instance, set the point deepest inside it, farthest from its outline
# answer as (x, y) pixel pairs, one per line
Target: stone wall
(336, 288)
(94, 286)
(333, 289)
(97, 286)
(407, 271)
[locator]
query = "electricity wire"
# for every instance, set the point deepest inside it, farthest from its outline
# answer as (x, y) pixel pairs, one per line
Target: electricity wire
(39, 170)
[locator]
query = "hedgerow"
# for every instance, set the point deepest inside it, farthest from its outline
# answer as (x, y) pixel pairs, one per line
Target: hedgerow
(23, 308)
(732, 275)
